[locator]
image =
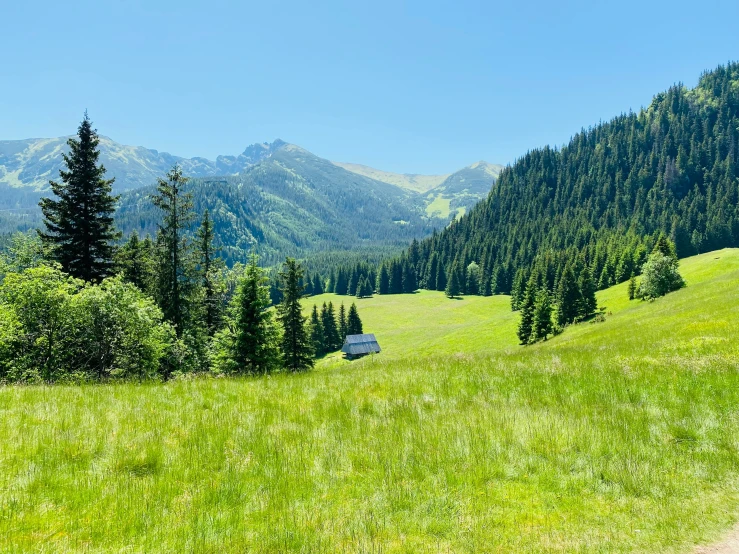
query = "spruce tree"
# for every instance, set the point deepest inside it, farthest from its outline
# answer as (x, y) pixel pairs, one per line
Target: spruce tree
(383, 281)
(79, 224)
(452, 287)
(409, 278)
(211, 276)
(632, 287)
(588, 304)
(317, 284)
(249, 342)
(176, 279)
(526, 325)
(542, 319)
(353, 323)
(342, 323)
(316, 333)
(441, 277)
(368, 290)
(360, 288)
(330, 330)
(135, 262)
(568, 297)
(433, 270)
(297, 350)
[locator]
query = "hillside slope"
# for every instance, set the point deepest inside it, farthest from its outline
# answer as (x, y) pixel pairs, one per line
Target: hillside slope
(294, 203)
(614, 437)
(669, 168)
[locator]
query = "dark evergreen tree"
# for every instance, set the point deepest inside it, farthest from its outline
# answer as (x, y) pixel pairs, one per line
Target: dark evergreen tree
(79, 224)
(249, 343)
(317, 285)
(542, 320)
(330, 331)
(211, 276)
(441, 278)
(297, 350)
(135, 261)
(452, 287)
(409, 278)
(316, 333)
(176, 276)
(526, 325)
(588, 303)
(342, 323)
(433, 270)
(568, 297)
(632, 287)
(353, 323)
(383, 281)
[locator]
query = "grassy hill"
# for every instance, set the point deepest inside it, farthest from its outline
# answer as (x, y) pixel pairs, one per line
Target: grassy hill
(618, 436)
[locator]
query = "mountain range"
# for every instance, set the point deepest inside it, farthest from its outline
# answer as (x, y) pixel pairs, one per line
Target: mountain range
(277, 197)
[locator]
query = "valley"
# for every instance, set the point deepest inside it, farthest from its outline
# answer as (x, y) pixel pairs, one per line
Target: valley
(611, 437)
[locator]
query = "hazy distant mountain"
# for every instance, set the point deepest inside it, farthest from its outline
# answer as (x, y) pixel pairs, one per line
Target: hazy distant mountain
(31, 163)
(276, 195)
(445, 196)
(410, 181)
(295, 203)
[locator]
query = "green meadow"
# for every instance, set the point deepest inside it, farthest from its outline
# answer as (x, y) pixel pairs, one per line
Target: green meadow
(618, 436)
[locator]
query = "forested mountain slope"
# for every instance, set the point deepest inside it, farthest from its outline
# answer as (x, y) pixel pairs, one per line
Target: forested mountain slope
(670, 168)
(294, 203)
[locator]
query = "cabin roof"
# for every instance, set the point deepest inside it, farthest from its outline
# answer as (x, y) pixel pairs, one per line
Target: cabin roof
(360, 344)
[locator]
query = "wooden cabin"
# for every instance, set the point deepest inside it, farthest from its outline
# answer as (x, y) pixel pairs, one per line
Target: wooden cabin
(356, 346)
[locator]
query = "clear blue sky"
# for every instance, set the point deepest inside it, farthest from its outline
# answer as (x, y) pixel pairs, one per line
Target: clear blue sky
(423, 87)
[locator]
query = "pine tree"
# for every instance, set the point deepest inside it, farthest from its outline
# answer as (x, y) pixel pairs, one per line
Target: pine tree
(665, 246)
(342, 323)
(176, 276)
(316, 333)
(433, 270)
(249, 343)
(330, 331)
(317, 285)
(452, 287)
(409, 278)
(526, 325)
(353, 324)
(588, 304)
(211, 276)
(360, 288)
(297, 351)
(135, 262)
(368, 290)
(568, 297)
(383, 281)
(632, 287)
(79, 224)
(542, 320)
(441, 277)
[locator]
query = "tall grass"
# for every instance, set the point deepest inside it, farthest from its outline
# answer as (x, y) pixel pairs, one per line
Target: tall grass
(615, 437)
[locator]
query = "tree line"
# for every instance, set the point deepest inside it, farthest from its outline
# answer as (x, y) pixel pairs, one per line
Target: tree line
(73, 305)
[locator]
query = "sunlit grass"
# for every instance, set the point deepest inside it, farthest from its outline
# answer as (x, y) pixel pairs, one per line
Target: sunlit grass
(619, 436)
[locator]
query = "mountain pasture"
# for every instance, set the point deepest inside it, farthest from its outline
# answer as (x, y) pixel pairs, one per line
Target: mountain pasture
(615, 436)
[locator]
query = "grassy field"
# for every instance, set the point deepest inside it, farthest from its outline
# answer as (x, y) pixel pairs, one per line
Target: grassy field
(621, 436)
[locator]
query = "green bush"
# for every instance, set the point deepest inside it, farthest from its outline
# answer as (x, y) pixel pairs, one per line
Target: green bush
(54, 327)
(659, 276)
